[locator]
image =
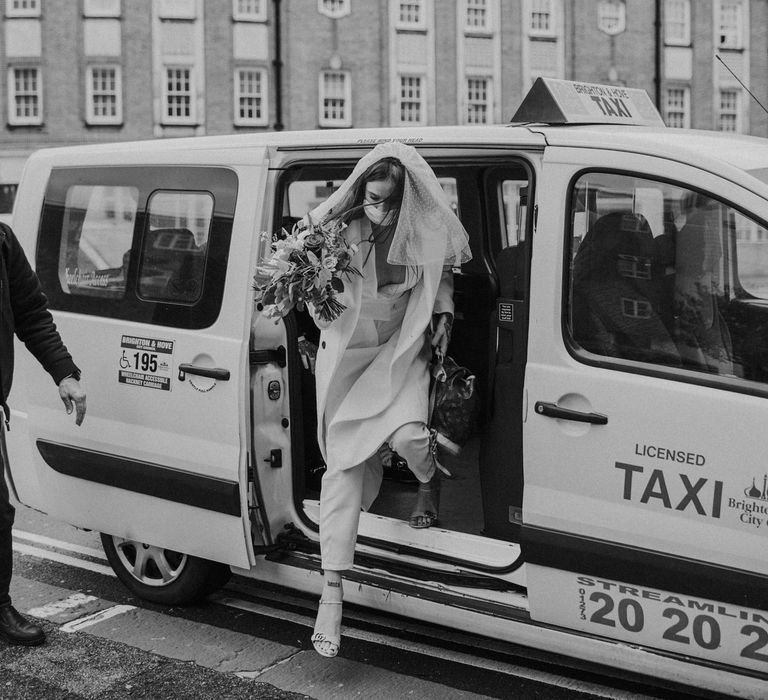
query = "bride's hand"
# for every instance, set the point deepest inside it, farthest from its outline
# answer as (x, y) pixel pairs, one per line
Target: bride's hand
(442, 335)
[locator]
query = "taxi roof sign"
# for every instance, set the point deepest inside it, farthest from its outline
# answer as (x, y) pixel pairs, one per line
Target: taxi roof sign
(554, 101)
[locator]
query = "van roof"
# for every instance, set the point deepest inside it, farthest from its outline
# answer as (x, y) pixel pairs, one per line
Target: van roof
(706, 149)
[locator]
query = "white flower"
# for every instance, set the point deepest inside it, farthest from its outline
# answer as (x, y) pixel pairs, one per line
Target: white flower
(330, 262)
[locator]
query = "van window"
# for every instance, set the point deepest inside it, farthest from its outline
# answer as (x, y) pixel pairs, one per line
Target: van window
(147, 244)
(173, 255)
(514, 203)
(665, 275)
(96, 238)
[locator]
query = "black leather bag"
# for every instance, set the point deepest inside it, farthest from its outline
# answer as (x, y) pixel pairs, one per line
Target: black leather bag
(453, 403)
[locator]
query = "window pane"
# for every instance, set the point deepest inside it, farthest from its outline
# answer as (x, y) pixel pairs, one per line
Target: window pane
(410, 12)
(728, 114)
(252, 8)
(478, 101)
(178, 93)
(97, 232)
(334, 8)
(26, 97)
(410, 99)
(677, 19)
(477, 14)
(250, 92)
(174, 250)
(652, 273)
(541, 16)
(514, 197)
(677, 107)
(730, 23)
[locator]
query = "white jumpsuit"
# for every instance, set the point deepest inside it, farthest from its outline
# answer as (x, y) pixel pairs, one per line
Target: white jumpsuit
(347, 490)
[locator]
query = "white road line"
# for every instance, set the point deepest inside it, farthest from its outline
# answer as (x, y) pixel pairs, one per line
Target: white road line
(62, 558)
(48, 541)
(444, 654)
(59, 606)
(96, 618)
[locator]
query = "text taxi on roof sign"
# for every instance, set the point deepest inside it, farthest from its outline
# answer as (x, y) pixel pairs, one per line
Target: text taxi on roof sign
(614, 504)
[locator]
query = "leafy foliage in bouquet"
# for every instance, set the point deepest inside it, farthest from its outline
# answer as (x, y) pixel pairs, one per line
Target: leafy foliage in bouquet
(306, 266)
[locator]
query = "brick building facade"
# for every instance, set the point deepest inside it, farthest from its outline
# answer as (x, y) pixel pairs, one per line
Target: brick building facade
(76, 71)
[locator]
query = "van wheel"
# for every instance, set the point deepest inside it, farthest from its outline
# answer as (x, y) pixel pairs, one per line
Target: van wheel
(162, 575)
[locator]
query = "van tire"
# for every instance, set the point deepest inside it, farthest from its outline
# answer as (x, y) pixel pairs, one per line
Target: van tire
(187, 578)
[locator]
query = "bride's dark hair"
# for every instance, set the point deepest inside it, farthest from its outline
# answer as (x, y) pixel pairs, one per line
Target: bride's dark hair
(385, 169)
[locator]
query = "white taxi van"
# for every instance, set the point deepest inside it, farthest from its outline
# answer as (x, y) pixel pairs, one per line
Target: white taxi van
(613, 505)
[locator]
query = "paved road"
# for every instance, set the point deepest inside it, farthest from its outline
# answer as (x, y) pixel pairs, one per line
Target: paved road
(247, 641)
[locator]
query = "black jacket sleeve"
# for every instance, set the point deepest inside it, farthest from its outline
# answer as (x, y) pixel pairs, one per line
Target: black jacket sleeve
(32, 321)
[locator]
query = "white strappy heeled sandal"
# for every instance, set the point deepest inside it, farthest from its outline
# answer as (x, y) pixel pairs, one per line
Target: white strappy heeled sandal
(326, 644)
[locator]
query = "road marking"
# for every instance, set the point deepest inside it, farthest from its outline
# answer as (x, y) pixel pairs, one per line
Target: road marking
(96, 618)
(62, 559)
(50, 542)
(52, 609)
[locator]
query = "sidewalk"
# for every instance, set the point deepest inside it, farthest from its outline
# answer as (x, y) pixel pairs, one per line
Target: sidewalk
(81, 666)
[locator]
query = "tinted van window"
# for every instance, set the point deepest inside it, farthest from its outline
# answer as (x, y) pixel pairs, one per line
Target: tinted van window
(97, 233)
(666, 275)
(148, 244)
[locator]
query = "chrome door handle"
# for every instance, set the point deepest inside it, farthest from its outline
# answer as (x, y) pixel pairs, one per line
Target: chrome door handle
(552, 410)
(211, 372)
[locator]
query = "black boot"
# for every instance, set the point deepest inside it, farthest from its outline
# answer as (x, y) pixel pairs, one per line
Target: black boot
(14, 629)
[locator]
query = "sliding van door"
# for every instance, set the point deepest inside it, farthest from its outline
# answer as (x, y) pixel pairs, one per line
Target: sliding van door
(148, 270)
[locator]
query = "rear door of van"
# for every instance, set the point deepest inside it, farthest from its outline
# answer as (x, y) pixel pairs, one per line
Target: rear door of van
(147, 262)
(645, 490)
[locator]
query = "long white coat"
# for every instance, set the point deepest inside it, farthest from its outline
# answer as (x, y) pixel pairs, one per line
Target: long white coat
(393, 388)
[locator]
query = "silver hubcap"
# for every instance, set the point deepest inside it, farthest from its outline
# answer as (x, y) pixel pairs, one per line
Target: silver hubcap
(148, 564)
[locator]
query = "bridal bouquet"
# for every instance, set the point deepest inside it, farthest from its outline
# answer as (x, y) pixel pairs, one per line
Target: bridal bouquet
(306, 266)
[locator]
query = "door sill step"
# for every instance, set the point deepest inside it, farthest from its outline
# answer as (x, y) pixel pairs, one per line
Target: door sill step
(421, 548)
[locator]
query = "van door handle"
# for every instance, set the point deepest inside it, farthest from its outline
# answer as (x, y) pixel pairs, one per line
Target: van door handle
(211, 372)
(552, 410)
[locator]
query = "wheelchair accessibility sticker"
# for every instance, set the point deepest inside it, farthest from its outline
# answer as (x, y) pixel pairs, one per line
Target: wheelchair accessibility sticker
(145, 362)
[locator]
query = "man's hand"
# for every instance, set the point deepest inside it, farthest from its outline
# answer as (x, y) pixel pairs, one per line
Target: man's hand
(442, 335)
(72, 393)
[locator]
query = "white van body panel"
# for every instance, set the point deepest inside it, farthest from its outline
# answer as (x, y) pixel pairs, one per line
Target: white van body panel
(198, 427)
(587, 479)
(574, 487)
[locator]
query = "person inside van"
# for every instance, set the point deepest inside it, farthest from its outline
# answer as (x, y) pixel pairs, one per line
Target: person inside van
(372, 365)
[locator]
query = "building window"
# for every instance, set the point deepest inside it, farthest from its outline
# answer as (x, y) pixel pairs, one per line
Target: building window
(411, 100)
(335, 97)
(25, 96)
(410, 15)
(249, 10)
(541, 22)
(104, 95)
(677, 22)
(611, 16)
(730, 35)
(729, 112)
(22, 8)
(478, 100)
(677, 108)
(334, 8)
(476, 18)
(251, 97)
(178, 96)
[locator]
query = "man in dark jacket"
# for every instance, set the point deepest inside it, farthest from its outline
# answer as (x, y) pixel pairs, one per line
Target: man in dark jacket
(24, 311)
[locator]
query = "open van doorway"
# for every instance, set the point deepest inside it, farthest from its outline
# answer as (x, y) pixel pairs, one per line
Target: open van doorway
(480, 502)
